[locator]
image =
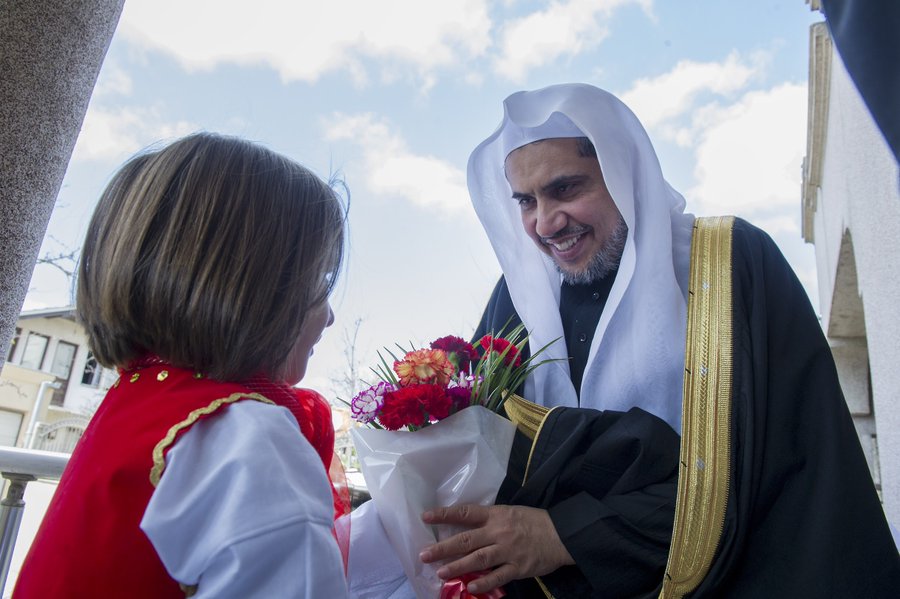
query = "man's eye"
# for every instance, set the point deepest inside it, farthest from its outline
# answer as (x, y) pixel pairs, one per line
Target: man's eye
(564, 188)
(524, 202)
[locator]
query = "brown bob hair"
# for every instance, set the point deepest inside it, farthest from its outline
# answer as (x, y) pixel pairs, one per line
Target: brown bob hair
(209, 253)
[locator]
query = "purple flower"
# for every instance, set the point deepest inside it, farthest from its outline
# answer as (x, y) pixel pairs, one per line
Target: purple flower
(366, 406)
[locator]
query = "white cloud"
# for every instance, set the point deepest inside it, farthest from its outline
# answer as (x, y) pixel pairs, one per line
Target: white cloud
(113, 135)
(747, 144)
(781, 224)
(474, 78)
(658, 100)
(113, 81)
(749, 154)
(112, 130)
(562, 29)
(305, 40)
(391, 169)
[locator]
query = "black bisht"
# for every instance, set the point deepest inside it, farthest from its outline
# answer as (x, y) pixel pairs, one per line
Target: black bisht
(803, 518)
(608, 480)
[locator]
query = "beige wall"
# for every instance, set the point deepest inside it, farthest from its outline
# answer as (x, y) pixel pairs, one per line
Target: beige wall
(79, 398)
(18, 393)
(19, 385)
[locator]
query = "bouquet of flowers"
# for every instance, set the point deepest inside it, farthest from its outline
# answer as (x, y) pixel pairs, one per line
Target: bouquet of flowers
(449, 394)
(428, 385)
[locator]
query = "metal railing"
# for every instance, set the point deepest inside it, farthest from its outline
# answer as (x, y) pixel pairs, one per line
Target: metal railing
(59, 436)
(20, 467)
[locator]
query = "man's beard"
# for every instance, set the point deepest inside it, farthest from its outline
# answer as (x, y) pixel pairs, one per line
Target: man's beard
(605, 261)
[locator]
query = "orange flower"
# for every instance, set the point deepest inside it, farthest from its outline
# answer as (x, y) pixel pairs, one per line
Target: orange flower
(424, 366)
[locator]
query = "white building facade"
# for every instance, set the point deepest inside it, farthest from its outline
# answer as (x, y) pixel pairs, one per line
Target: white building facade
(851, 213)
(50, 379)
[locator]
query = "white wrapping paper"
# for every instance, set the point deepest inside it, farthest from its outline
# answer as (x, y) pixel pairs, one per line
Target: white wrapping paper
(461, 459)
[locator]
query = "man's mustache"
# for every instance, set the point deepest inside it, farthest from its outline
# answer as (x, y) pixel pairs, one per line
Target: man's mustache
(567, 232)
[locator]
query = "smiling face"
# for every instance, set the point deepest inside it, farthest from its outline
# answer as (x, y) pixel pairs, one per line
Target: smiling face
(566, 209)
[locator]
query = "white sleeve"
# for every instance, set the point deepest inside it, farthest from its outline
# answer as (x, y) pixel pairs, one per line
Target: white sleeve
(374, 571)
(244, 509)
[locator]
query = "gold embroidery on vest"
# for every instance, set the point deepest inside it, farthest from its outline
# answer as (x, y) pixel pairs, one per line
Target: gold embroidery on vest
(159, 458)
(704, 473)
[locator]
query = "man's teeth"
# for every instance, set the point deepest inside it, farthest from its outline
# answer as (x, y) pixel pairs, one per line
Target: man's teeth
(563, 246)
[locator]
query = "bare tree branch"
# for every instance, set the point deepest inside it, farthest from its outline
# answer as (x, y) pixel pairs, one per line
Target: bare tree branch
(65, 261)
(347, 381)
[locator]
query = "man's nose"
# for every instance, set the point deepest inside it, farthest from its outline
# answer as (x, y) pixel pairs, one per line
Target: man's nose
(550, 219)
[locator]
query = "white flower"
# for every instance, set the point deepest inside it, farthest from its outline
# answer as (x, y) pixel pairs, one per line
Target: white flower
(366, 405)
(464, 380)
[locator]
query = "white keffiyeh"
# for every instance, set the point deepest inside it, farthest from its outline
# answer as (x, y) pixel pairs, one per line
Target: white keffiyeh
(637, 354)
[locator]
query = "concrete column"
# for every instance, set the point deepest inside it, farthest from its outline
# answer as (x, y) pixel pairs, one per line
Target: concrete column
(51, 52)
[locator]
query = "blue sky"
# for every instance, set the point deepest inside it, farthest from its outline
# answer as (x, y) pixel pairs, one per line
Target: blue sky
(393, 95)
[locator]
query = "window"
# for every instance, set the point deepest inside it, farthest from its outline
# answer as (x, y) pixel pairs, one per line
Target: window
(12, 344)
(92, 371)
(62, 368)
(10, 423)
(62, 359)
(35, 348)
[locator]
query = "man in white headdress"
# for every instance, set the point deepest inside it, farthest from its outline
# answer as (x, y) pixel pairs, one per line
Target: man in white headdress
(695, 383)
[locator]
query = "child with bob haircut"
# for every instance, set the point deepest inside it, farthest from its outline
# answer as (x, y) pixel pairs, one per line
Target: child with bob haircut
(204, 279)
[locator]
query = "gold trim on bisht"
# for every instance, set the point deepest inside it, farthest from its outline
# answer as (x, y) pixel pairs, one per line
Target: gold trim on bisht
(544, 588)
(529, 418)
(704, 473)
(159, 458)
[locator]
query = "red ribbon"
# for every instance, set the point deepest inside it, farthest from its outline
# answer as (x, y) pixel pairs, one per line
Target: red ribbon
(456, 588)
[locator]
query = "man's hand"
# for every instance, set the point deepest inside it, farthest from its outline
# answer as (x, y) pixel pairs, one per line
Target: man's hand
(516, 541)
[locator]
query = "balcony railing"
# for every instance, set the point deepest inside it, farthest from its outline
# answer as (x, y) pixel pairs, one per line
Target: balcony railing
(20, 467)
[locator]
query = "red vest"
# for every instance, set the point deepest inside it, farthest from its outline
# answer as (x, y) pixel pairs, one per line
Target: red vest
(90, 543)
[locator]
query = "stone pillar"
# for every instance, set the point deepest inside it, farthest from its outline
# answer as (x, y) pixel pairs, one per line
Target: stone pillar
(50, 55)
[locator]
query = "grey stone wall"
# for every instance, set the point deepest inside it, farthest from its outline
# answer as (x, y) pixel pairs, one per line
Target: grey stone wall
(51, 52)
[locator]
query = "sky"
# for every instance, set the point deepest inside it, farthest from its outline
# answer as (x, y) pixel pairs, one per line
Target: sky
(392, 96)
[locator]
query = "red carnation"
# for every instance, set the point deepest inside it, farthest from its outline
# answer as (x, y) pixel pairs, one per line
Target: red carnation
(414, 406)
(436, 401)
(460, 396)
(461, 352)
(401, 408)
(500, 345)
